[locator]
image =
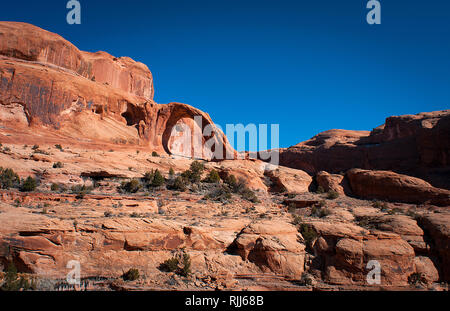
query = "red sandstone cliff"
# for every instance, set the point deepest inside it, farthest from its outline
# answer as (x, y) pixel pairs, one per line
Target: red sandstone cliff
(46, 82)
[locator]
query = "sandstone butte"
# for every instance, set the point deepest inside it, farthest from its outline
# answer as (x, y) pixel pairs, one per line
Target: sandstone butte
(70, 119)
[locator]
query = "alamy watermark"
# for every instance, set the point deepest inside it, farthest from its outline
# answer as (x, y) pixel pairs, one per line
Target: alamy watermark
(199, 139)
(74, 14)
(374, 15)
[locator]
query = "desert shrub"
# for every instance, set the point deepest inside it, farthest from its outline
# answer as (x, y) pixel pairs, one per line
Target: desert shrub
(6, 149)
(170, 265)
(29, 184)
(155, 154)
(220, 193)
(58, 146)
(331, 195)
(107, 214)
(366, 222)
(171, 173)
(380, 205)
(178, 184)
(131, 186)
(158, 179)
(153, 179)
(249, 195)
(324, 212)
(12, 281)
(308, 233)
(54, 187)
(416, 279)
(181, 265)
(131, 275)
(35, 147)
(297, 220)
(58, 165)
(8, 178)
(320, 190)
(213, 177)
(290, 195)
(80, 190)
(315, 211)
(186, 268)
(194, 173)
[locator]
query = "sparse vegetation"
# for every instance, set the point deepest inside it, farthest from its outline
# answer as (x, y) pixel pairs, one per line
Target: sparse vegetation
(153, 179)
(58, 146)
(213, 177)
(131, 275)
(320, 190)
(8, 178)
(178, 184)
(58, 165)
(308, 233)
(194, 173)
(380, 205)
(131, 186)
(12, 281)
(331, 195)
(416, 279)
(155, 154)
(29, 184)
(180, 264)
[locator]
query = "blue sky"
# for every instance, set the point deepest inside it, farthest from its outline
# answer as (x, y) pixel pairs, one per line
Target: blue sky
(306, 65)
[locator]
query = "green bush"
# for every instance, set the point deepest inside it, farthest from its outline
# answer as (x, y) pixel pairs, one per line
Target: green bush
(131, 275)
(58, 146)
(249, 195)
(308, 233)
(155, 154)
(178, 184)
(170, 265)
(181, 266)
(58, 165)
(54, 187)
(12, 282)
(320, 190)
(8, 178)
(29, 184)
(213, 177)
(158, 179)
(131, 186)
(171, 172)
(194, 173)
(221, 193)
(331, 195)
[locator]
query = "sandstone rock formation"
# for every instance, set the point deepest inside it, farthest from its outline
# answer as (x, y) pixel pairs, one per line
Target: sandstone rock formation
(416, 145)
(46, 82)
(387, 185)
(344, 251)
(273, 246)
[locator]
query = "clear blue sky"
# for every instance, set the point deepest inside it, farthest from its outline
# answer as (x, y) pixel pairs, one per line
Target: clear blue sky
(307, 65)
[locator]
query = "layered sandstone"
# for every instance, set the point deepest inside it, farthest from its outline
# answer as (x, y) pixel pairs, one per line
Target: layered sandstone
(417, 145)
(47, 83)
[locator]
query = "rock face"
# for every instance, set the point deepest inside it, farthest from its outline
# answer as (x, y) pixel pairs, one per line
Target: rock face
(46, 82)
(344, 251)
(332, 182)
(417, 145)
(273, 246)
(387, 185)
(32, 44)
(437, 229)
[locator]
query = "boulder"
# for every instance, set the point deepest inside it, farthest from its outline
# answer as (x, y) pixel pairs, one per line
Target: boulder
(272, 246)
(386, 185)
